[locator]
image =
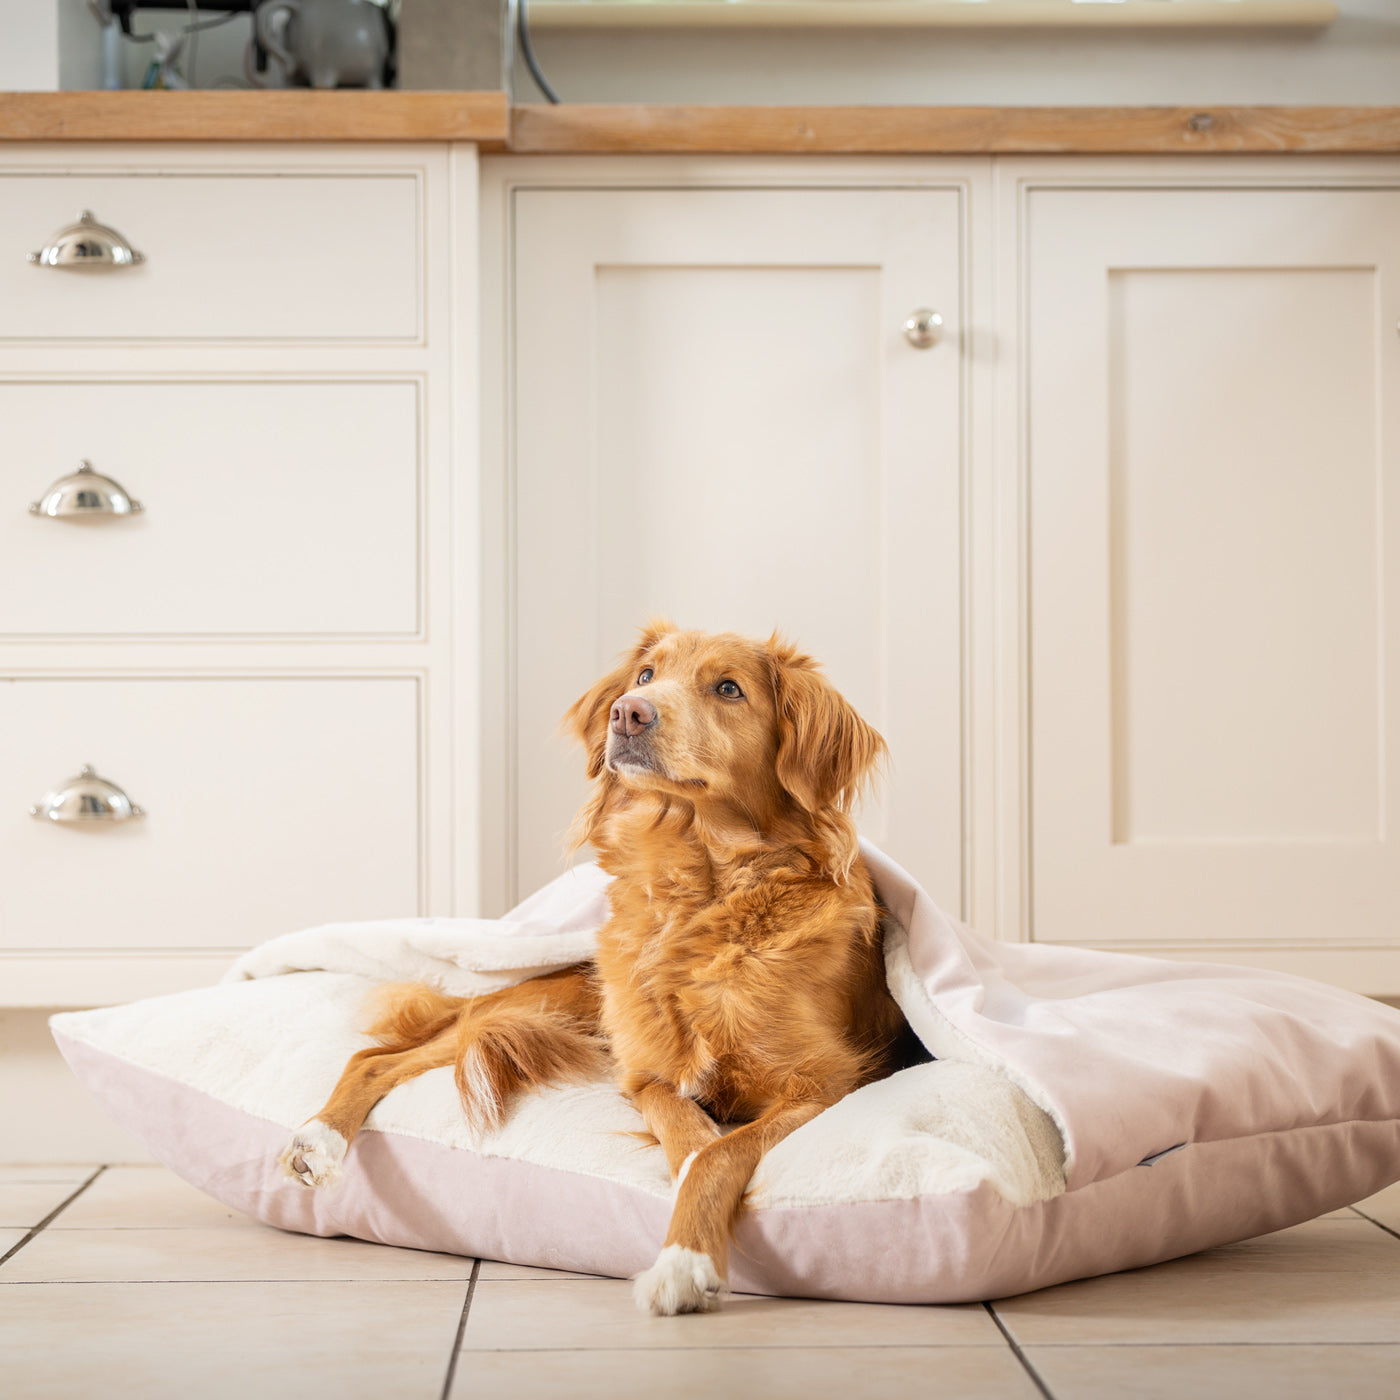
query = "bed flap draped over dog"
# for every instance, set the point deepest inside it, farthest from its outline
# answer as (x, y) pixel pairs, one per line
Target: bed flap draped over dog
(1134, 1055)
(1285, 1091)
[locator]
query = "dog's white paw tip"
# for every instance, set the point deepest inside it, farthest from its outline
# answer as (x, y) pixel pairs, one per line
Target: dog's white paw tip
(681, 1281)
(314, 1155)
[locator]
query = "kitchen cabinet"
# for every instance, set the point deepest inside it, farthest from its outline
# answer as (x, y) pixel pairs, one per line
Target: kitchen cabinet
(1109, 560)
(1111, 566)
(716, 414)
(263, 657)
(1210, 430)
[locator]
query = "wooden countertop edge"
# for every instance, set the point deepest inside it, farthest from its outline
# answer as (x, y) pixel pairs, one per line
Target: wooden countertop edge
(953, 130)
(282, 115)
(487, 119)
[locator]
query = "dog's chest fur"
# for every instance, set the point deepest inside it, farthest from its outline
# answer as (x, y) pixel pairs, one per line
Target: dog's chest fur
(707, 973)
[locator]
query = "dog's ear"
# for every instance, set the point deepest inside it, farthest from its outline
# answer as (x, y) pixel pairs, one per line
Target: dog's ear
(586, 720)
(826, 752)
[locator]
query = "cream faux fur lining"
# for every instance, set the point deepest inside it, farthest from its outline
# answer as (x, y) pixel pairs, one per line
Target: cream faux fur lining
(272, 1039)
(945, 1041)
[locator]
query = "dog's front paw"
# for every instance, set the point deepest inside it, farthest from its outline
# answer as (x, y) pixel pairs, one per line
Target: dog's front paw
(314, 1155)
(681, 1281)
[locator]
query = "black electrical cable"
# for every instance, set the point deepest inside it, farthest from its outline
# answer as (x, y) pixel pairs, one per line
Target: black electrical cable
(522, 28)
(188, 28)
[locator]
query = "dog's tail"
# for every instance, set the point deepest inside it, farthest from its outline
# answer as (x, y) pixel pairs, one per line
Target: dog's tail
(502, 1051)
(410, 1015)
(543, 1031)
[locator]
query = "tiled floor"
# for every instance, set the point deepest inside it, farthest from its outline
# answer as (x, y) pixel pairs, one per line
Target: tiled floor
(123, 1282)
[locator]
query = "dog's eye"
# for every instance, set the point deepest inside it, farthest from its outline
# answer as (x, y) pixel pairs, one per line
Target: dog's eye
(645, 676)
(730, 690)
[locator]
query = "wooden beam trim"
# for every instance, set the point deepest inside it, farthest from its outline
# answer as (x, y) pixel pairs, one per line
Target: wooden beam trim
(281, 115)
(484, 118)
(954, 130)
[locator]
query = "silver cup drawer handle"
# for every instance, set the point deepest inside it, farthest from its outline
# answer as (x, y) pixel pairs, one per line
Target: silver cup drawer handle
(86, 798)
(87, 244)
(85, 492)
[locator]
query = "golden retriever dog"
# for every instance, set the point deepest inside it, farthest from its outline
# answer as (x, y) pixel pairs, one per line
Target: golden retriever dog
(739, 979)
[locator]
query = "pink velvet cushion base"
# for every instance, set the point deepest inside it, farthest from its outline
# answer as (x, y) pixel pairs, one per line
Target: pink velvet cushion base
(1087, 1112)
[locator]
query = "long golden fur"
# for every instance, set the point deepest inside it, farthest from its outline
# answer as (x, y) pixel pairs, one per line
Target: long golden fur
(740, 976)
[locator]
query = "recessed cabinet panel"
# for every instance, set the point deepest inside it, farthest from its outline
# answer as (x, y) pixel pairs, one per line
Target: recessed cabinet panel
(268, 805)
(1212, 445)
(1243, 555)
(267, 508)
(719, 418)
(282, 257)
(706, 497)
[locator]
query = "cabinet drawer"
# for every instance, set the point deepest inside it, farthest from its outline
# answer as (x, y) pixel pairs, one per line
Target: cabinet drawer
(225, 257)
(270, 805)
(268, 509)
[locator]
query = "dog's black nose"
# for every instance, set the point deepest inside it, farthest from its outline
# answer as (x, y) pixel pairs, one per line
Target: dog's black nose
(632, 714)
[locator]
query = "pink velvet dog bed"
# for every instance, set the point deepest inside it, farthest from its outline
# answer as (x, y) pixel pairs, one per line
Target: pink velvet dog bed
(1086, 1111)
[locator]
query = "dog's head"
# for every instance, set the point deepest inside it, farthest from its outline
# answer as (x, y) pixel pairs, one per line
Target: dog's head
(722, 720)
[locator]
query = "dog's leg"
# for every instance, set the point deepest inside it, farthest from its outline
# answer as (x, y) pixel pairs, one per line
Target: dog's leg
(689, 1274)
(317, 1149)
(679, 1124)
(538, 1032)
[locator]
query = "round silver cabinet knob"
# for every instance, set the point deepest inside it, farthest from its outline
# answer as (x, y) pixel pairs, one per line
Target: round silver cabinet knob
(87, 244)
(923, 329)
(86, 798)
(85, 492)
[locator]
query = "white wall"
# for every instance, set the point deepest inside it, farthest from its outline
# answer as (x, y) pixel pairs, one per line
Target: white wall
(45, 1115)
(48, 44)
(28, 45)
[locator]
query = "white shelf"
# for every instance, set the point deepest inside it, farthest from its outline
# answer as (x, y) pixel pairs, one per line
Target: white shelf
(929, 14)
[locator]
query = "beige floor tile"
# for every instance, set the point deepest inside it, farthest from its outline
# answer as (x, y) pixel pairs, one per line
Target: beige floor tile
(774, 1373)
(494, 1271)
(222, 1341)
(1383, 1206)
(1219, 1372)
(216, 1255)
(1166, 1305)
(600, 1314)
(12, 1175)
(26, 1203)
(1320, 1246)
(10, 1238)
(145, 1198)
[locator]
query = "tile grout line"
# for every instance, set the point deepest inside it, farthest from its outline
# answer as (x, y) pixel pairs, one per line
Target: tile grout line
(1019, 1354)
(711, 1347)
(1379, 1224)
(461, 1329)
(51, 1216)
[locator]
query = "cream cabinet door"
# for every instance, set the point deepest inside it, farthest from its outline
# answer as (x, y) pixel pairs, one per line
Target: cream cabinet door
(1214, 379)
(717, 416)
